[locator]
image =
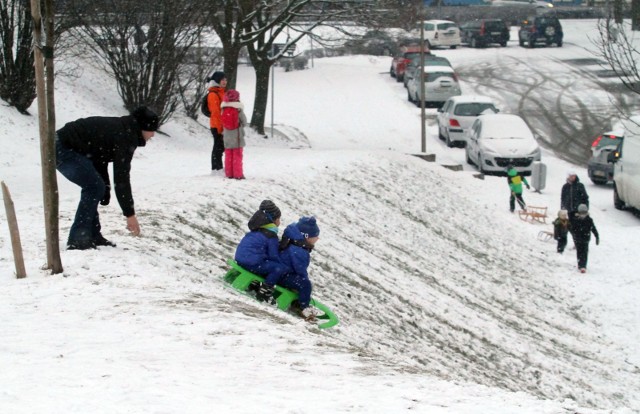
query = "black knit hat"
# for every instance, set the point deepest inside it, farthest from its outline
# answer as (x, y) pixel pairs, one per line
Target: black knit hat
(147, 119)
(271, 209)
(217, 77)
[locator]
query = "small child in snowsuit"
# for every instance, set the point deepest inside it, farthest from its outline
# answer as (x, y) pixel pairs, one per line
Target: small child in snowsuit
(296, 246)
(560, 229)
(258, 250)
(581, 227)
(233, 121)
(515, 181)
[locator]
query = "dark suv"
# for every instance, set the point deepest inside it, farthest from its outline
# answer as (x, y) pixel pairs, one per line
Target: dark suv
(479, 33)
(540, 29)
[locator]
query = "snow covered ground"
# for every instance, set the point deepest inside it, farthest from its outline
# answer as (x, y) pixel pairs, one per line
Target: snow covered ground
(447, 302)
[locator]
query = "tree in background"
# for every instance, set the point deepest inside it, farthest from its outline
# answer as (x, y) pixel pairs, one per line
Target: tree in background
(142, 45)
(286, 22)
(17, 78)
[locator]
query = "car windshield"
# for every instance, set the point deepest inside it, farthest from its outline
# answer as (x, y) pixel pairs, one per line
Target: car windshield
(473, 109)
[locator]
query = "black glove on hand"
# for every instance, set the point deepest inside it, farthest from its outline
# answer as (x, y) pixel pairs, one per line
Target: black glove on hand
(107, 196)
(528, 187)
(597, 241)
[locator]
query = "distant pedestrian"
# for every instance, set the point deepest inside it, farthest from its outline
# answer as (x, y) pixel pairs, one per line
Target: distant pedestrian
(582, 226)
(515, 180)
(233, 122)
(217, 85)
(84, 149)
(573, 194)
(561, 229)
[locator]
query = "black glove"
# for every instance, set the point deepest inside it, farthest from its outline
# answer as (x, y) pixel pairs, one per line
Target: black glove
(107, 196)
(597, 240)
(528, 187)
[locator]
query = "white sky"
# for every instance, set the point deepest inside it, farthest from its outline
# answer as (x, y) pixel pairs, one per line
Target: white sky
(447, 302)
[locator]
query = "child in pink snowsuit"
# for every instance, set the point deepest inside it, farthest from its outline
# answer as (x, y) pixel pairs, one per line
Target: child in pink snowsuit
(233, 120)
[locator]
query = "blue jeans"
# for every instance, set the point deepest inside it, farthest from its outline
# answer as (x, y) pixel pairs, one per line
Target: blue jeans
(79, 169)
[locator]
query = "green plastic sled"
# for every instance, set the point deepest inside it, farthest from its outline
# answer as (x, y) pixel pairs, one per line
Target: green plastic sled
(241, 278)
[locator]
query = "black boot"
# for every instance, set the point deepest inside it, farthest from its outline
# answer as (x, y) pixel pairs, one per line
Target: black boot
(81, 244)
(265, 293)
(101, 241)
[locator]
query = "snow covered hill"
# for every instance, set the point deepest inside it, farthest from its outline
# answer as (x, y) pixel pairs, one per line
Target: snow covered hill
(447, 302)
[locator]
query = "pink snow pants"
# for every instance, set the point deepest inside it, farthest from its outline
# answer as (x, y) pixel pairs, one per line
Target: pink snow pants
(233, 163)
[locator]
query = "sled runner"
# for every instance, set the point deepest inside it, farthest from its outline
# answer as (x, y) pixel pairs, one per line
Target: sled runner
(534, 214)
(545, 236)
(240, 279)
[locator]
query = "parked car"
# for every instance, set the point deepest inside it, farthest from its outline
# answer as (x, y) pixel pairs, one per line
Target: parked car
(399, 63)
(497, 141)
(538, 4)
(482, 32)
(599, 168)
(441, 33)
(540, 29)
(440, 83)
(626, 169)
(429, 60)
(457, 115)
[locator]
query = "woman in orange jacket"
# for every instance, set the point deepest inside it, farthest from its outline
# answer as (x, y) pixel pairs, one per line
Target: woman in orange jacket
(217, 85)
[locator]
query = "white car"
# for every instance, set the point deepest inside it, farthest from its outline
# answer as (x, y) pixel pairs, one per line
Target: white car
(441, 33)
(440, 83)
(538, 4)
(626, 174)
(458, 113)
(497, 141)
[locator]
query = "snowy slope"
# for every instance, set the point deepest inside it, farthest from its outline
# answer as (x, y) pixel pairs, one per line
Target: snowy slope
(448, 303)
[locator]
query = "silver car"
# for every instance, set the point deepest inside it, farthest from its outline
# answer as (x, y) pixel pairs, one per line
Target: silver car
(458, 113)
(440, 83)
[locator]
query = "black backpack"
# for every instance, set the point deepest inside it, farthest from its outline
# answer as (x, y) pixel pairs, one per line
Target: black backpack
(204, 105)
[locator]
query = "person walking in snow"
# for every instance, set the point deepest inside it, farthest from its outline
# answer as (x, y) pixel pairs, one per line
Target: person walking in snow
(515, 180)
(561, 229)
(582, 226)
(84, 149)
(217, 85)
(233, 122)
(573, 194)
(296, 246)
(258, 251)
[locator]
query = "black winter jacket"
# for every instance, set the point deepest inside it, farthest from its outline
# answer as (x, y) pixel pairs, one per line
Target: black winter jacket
(104, 140)
(582, 227)
(572, 195)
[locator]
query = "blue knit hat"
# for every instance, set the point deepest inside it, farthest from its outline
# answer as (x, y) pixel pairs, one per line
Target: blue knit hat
(308, 226)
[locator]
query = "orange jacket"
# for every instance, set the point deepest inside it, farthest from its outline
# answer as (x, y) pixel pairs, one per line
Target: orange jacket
(214, 100)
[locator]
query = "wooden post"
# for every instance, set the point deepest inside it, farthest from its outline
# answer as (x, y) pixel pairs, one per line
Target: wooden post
(14, 232)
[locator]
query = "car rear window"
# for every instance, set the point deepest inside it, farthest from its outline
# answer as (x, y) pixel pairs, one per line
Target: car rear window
(430, 77)
(472, 109)
(445, 26)
(494, 26)
(608, 140)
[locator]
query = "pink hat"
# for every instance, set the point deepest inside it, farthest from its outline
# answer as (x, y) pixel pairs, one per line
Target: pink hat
(231, 96)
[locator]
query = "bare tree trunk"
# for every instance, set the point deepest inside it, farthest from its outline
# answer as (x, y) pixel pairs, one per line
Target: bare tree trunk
(14, 232)
(617, 11)
(262, 95)
(46, 120)
(635, 14)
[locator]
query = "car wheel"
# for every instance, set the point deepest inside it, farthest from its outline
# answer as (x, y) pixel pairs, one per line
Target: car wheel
(559, 43)
(427, 44)
(393, 75)
(399, 78)
(409, 96)
(532, 43)
(503, 44)
(440, 135)
(481, 164)
(448, 141)
(617, 202)
(453, 47)
(521, 42)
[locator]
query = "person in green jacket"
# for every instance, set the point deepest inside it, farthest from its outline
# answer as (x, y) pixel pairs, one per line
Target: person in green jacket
(515, 181)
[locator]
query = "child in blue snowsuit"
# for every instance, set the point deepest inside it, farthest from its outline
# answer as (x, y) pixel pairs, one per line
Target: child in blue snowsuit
(296, 246)
(258, 249)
